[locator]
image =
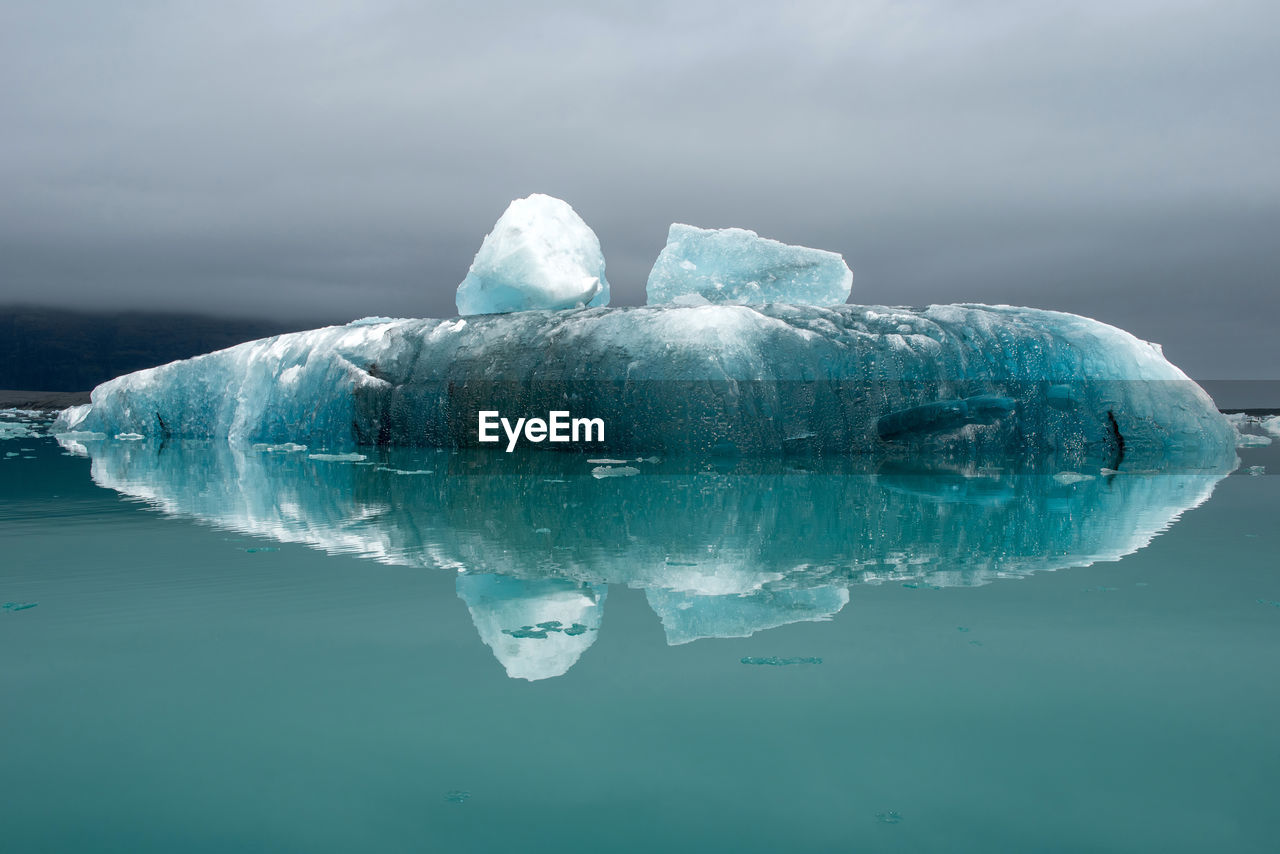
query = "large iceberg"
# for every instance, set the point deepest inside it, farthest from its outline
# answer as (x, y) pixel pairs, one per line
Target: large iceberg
(734, 265)
(775, 371)
(540, 255)
(954, 380)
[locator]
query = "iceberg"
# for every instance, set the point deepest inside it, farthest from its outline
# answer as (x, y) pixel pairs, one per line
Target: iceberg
(734, 265)
(540, 255)
(949, 381)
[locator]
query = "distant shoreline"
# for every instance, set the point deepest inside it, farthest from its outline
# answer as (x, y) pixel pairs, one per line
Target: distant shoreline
(19, 399)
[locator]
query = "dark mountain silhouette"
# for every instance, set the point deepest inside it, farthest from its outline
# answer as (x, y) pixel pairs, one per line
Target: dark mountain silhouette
(52, 349)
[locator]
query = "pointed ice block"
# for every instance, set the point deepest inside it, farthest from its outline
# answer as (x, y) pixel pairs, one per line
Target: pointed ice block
(540, 255)
(733, 265)
(537, 628)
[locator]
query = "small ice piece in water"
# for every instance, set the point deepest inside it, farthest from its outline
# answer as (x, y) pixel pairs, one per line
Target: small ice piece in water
(1071, 477)
(734, 265)
(614, 471)
(130, 437)
(337, 458)
(1256, 470)
(540, 255)
(1250, 440)
(1272, 425)
(773, 661)
(15, 430)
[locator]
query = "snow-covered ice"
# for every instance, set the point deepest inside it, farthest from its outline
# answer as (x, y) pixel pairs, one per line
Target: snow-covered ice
(734, 265)
(540, 255)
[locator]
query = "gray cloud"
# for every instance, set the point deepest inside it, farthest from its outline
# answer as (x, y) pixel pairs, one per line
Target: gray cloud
(342, 159)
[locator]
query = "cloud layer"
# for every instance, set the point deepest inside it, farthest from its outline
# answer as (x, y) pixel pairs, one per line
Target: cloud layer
(342, 159)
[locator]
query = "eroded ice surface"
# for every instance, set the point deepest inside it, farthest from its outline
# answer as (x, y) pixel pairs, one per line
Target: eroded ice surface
(540, 255)
(734, 265)
(718, 554)
(957, 380)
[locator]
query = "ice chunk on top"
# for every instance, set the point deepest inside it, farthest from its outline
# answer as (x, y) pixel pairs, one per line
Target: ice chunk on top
(734, 265)
(540, 254)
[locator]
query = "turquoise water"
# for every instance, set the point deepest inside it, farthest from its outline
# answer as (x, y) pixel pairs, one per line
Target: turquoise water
(260, 651)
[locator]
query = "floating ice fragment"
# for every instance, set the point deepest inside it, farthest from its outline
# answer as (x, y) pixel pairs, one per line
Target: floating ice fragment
(540, 255)
(15, 430)
(19, 606)
(608, 462)
(337, 458)
(130, 437)
(734, 265)
(1256, 470)
(772, 661)
(1071, 477)
(614, 471)
(1271, 425)
(282, 448)
(1252, 440)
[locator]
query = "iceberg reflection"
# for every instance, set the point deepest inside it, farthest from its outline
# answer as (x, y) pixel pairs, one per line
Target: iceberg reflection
(537, 539)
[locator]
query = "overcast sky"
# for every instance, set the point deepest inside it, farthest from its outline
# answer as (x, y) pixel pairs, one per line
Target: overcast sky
(335, 160)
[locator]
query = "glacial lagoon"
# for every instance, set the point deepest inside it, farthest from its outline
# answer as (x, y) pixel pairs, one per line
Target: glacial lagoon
(211, 648)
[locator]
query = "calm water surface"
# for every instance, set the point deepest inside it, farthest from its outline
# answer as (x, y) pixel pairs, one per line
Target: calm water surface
(262, 651)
